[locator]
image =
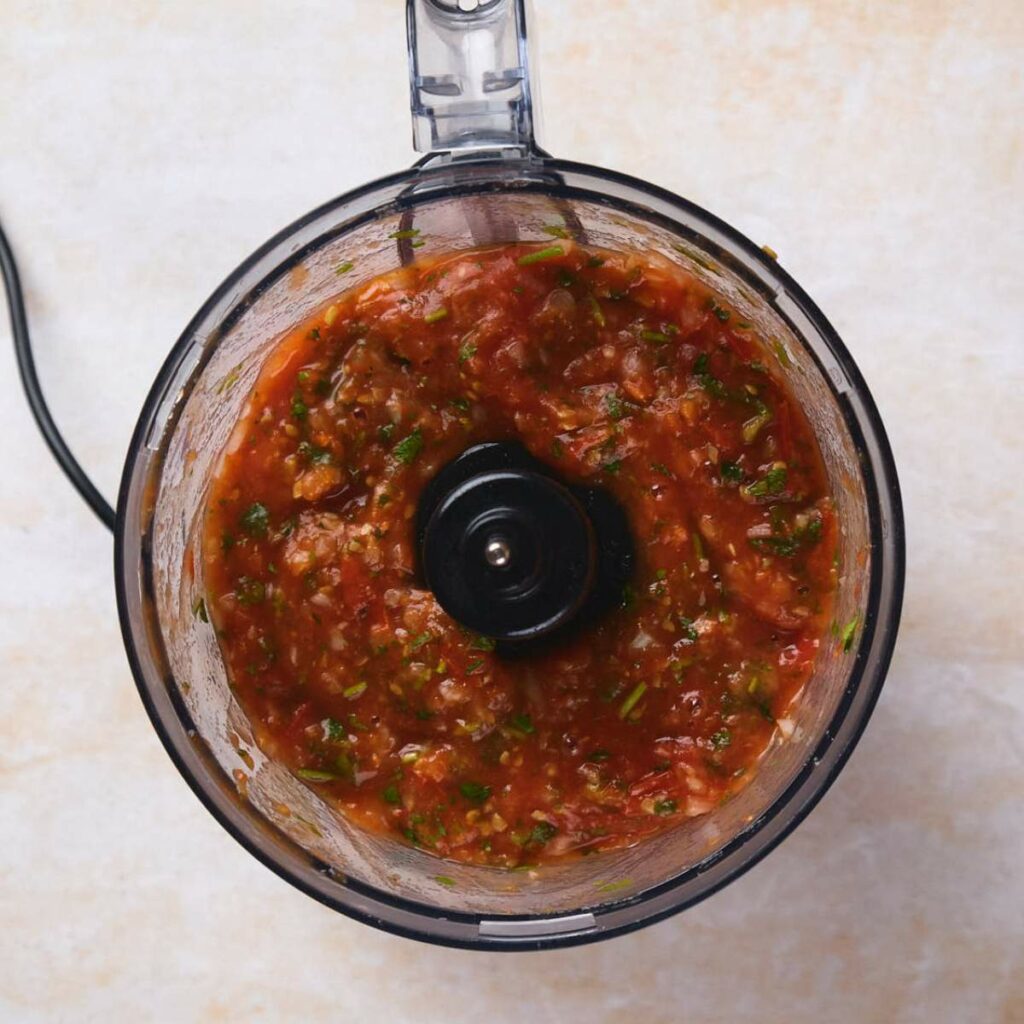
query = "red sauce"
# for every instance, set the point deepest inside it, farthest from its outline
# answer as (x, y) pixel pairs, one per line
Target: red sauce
(612, 368)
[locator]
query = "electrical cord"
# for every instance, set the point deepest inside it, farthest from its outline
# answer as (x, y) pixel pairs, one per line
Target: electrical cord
(34, 393)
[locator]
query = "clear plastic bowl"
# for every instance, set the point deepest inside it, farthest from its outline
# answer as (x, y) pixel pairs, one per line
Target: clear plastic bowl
(485, 184)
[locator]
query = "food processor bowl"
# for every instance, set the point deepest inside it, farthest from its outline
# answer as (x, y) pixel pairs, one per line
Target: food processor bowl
(485, 182)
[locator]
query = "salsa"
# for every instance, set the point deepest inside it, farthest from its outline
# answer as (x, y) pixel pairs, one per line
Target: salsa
(613, 368)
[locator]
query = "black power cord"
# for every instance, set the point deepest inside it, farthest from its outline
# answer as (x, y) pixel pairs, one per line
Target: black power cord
(34, 393)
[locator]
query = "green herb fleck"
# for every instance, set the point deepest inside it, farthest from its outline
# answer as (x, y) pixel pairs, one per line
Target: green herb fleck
(781, 354)
(773, 482)
(623, 883)
(333, 729)
(409, 447)
(690, 634)
(615, 406)
(698, 546)
(522, 722)
(595, 310)
(849, 632)
(409, 233)
(466, 351)
(712, 385)
(299, 408)
(731, 472)
(434, 315)
(542, 833)
(249, 591)
(721, 739)
(664, 807)
(474, 666)
(344, 268)
(199, 610)
(628, 705)
(354, 692)
(655, 337)
(482, 643)
(423, 638)
(555, 230)
(316, 775)
(444, 880)
(255, 519)
(474, 792)
(760, 419)
(540, 255)
(391, 795)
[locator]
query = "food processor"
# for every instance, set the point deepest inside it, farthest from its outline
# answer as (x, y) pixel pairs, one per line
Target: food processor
(482, 181)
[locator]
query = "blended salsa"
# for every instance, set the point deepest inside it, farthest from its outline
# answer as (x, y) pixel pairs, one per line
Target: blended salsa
(613, 368)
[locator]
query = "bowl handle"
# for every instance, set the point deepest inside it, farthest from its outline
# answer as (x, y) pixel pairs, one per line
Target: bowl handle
(469, 77)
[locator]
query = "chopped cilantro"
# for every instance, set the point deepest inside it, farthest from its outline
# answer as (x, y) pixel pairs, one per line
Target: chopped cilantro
(731, 472)
(391, 795)
(615, 406)
(522, 722)
(721, 739)
(249, 591)
(333, 729)
(436, 314)
(409, 447)
(474, 792)
(542, 833)
(773, 482)
(690, 634)
(466, 351)
(255, 519)
(344, 268)
(664, 807)
(482, 643)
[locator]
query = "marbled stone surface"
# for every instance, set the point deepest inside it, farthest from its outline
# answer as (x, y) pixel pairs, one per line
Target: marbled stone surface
(146, 148)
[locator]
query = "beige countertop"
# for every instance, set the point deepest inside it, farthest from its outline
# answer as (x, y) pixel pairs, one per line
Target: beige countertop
(146, 148)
